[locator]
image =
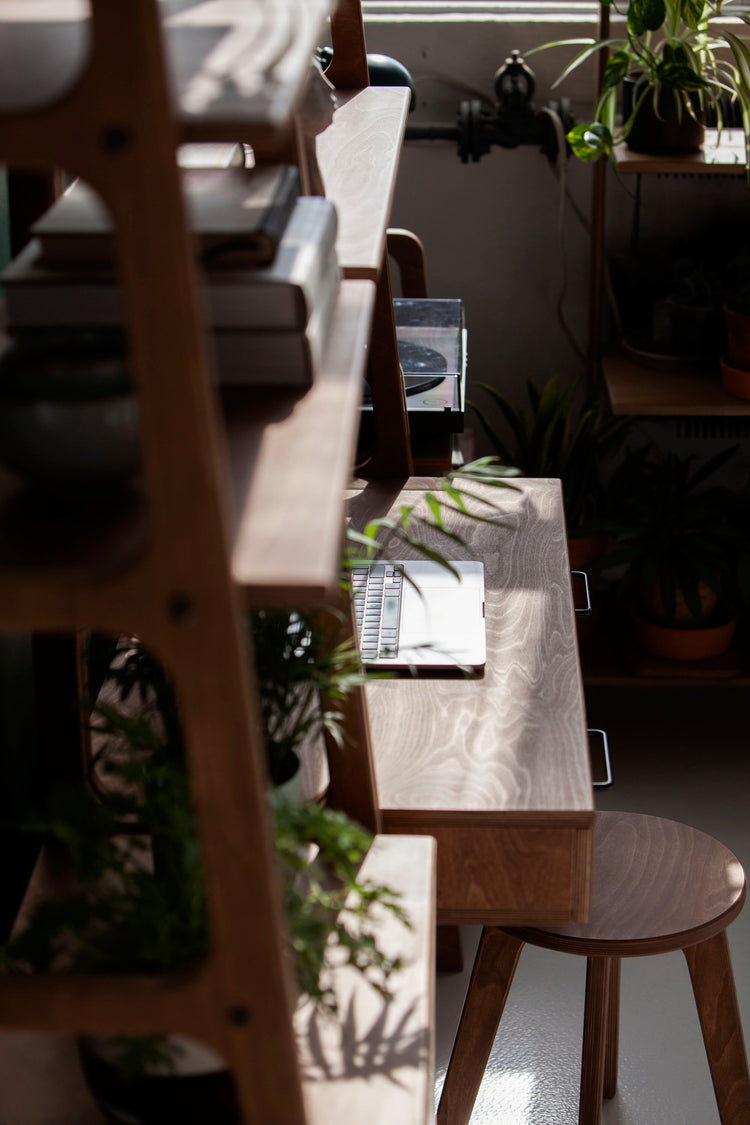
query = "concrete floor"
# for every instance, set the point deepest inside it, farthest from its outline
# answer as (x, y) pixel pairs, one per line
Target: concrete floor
(683, 754)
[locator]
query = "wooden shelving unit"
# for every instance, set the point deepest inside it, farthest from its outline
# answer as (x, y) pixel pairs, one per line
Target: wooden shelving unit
(721, 155)
(610, 659)
(241, 501)
(636, 389)
(668, 390)
(281, 503)
(359, 156)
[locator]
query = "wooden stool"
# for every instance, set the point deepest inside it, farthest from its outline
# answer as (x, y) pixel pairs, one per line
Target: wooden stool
(657, 886)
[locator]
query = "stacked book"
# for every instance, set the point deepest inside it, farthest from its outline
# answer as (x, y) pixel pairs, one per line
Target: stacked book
(269, 276)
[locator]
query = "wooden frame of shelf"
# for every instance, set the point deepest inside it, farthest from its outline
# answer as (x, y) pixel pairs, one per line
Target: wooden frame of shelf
(167, 567)
(639, 390)
(719, 156)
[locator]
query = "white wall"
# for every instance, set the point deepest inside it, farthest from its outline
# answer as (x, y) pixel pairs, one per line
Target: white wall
(492, 230)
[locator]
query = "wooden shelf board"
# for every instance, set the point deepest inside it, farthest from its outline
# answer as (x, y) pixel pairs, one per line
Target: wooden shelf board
(634, 389)
(291, 457)
(726, 158)
(290, 461)
(609, 663)
(375, 1063)
(358, 155)
(231, 64)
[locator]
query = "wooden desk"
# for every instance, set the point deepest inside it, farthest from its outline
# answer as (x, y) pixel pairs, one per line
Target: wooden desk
(497, 768)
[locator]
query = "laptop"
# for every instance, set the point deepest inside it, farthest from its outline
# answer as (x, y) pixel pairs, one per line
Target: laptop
(416, 614)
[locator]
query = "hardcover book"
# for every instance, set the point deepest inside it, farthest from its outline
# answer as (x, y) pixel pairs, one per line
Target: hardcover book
(281, 295)
(277, 360)
(236, 214)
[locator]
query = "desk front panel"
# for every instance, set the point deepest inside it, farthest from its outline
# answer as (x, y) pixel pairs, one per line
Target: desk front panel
(509, 876)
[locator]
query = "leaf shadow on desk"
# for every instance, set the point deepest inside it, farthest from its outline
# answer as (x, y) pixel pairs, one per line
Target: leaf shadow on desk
(511, 561)
(342, 1047)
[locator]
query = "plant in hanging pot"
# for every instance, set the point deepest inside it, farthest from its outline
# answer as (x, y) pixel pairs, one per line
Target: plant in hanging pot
(681, 545)
(675, 63)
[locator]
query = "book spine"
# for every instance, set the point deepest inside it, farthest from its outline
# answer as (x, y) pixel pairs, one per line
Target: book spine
(277, 359)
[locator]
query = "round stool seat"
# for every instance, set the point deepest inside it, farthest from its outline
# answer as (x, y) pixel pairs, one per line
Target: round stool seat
(657, 886)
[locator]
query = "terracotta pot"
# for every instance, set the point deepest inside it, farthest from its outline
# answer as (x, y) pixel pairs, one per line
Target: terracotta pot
(683, 644)
(583, 549)
(681, 618)
(669, 133)
(735, 380)
(737, 325)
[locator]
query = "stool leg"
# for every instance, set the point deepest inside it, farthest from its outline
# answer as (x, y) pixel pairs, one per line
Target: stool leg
(716, 998)
(613, 1030)
(491, 978)
(594, 1040)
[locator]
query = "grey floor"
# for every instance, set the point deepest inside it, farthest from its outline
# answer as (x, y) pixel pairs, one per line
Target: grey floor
(683, 754)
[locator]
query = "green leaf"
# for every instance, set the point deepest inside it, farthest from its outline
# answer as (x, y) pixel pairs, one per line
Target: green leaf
(590, 47)
(741, 54)
(618, 65)
(645, 15)
(589, 142)
(679, 75)
(692, 12)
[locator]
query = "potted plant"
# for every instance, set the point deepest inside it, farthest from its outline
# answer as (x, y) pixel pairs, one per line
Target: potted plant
(682, 547)
(565, 437)
(674, 65)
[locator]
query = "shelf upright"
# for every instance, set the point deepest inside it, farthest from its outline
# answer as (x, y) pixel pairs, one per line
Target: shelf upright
(114, 127)
(177, 561)
(373, 120)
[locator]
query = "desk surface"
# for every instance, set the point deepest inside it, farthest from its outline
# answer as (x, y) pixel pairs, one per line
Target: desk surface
(497, 768)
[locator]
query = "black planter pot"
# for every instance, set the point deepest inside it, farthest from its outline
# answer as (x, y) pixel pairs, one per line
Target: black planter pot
(668, 134)
(155, 1099)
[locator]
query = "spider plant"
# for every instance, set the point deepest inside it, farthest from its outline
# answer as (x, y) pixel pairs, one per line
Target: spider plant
(557, 438)
(670, 47)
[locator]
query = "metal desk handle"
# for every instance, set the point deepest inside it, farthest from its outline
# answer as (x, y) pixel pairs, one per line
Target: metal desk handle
(607, 761)
(587, 608)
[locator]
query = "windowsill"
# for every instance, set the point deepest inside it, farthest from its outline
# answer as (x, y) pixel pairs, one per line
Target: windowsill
(496, 11)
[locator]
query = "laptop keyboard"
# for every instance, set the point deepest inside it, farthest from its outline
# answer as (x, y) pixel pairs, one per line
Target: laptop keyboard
(377, 605)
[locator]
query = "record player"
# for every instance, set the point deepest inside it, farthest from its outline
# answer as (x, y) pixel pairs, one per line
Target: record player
(431, 338)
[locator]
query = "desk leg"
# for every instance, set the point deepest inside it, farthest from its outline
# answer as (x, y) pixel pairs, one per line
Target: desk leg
(449, 954)
(491, 978)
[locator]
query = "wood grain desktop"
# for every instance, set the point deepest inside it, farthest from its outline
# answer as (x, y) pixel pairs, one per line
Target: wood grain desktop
(496, 768)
